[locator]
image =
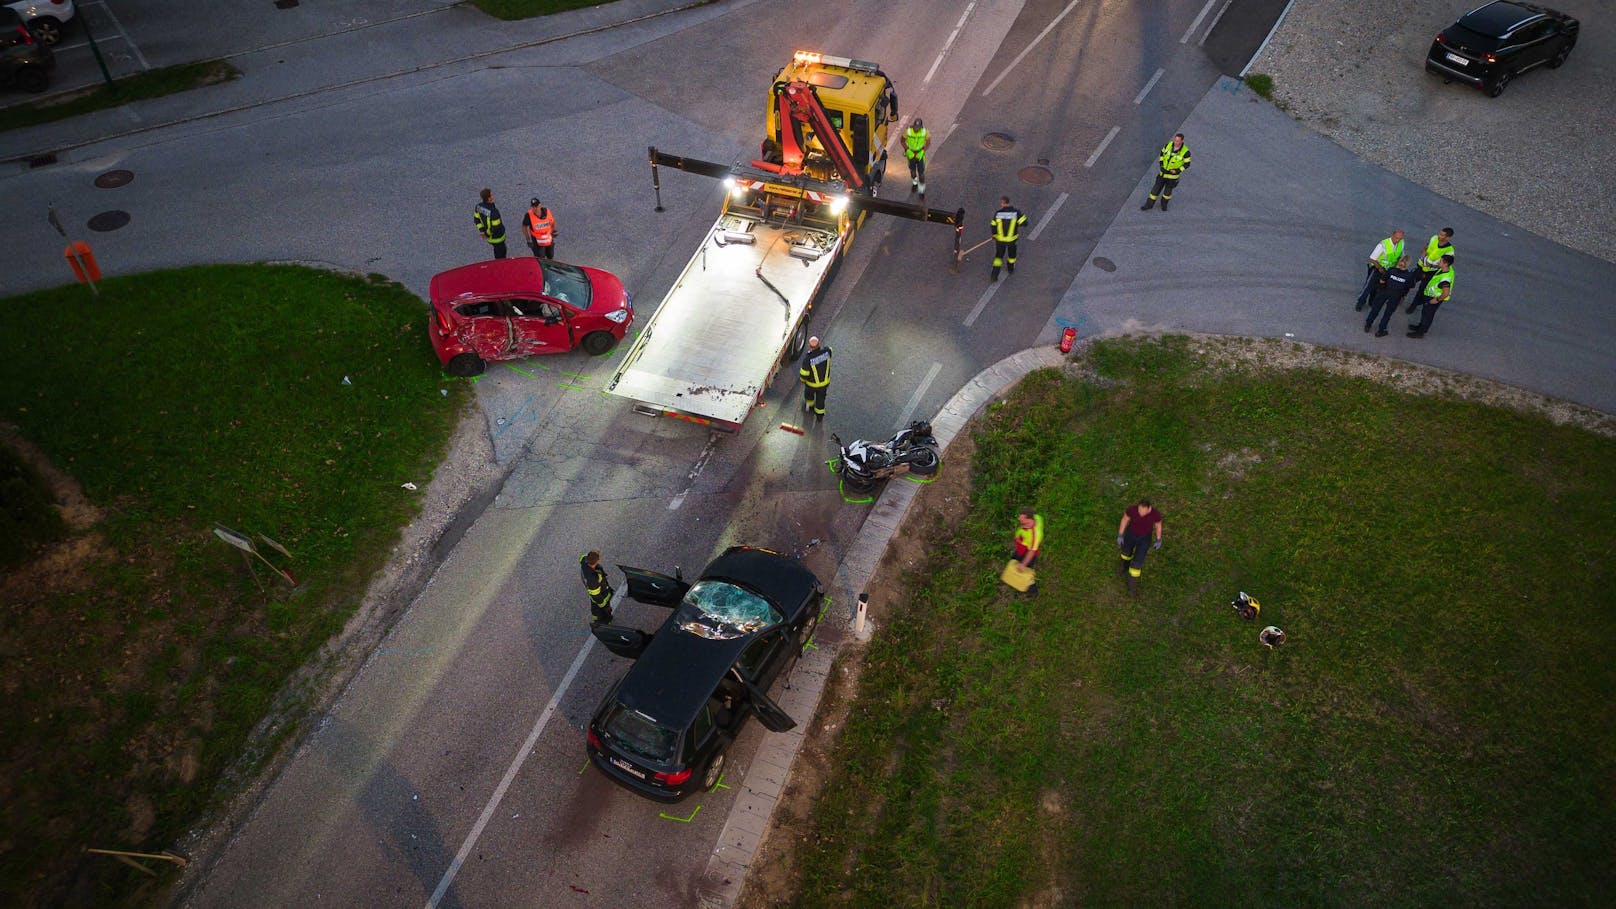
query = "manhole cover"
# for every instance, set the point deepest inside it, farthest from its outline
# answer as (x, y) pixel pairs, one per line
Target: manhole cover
(1035, 175)
(109, 220)
(113, 179)
(1104, 264)
(998, 141)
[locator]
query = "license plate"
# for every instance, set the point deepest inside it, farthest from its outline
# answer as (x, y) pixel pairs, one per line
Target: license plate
(1457, 59)
(625, 765)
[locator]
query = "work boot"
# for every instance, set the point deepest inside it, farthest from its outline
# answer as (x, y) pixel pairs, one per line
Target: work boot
(994, 276)
(1165, 200)
(819, 418)
(1416, 334)
(914, 186)
(1122, 568)
(921, 188)
(1366, 329)
(1033, 590)
(1149, 204)
(1382, 333)
(1133, 586)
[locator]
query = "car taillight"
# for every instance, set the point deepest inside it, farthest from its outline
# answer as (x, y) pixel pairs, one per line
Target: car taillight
(672, 779)
(594, 740)
(1441, 38)
(1490, 58)
(443, 321)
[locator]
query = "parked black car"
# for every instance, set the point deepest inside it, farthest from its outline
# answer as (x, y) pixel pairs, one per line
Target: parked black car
(662, 730)
(24, 60)
(1494, 43)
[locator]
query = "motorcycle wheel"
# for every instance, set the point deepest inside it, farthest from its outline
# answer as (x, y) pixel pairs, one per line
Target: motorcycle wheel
(924, 462)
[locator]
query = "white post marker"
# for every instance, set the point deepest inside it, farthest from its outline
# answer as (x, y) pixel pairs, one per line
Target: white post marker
(859, 613)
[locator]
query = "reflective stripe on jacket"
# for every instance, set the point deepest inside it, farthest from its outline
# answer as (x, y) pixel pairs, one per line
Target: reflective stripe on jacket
(1007, 223)
(914, 143)
(594, 577)
(1173, 162)
(489, 224)
(815, 371)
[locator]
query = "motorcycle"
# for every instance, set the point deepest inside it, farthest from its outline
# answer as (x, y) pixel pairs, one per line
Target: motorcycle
(861, 464)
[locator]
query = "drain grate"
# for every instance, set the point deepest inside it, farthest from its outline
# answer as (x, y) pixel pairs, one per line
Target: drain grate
(113, 179)
(42, 160)
(285, 4)
(108, 221)
(998, 141)
(1036, 175)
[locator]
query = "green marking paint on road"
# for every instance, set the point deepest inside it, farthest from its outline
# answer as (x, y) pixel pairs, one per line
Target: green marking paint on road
(842, 488)
(586, 767)
(520, 370)
(572, 387)
(574, 375)
(914, 479)
(720, 784)
(682, 820)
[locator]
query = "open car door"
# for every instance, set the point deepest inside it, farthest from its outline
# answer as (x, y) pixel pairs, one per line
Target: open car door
(768, 712)
(625, 642)
(654, 589)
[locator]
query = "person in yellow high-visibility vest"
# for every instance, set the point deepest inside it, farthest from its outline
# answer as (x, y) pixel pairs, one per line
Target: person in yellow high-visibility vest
(916, 139)
(815, 375)
(1029, 539)
(1170, 167)
(1007, 223)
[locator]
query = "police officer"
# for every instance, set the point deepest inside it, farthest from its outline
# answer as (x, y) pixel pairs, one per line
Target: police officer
(600, 592)
(1440, 244)
(815, 374)
(915, 141)
(539, 224)
(1007, 222)
(1436, 292)
(1175, 159)
(489, 224)
(1381, 259)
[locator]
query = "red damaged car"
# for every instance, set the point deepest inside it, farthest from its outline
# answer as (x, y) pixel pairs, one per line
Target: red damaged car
(506, 309)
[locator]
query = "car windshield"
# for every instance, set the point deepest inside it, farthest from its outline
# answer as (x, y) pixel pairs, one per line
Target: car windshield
(1470, 38)
(566, 283)
(639, 735)
(720, 611)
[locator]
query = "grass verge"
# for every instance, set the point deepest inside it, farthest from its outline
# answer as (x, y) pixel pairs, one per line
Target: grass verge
(28, 521)
(141, 652)
(1438, 730)
(140, 87)
(1262, 84)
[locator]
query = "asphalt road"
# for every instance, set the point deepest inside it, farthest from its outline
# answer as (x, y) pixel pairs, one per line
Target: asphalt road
(449, 771)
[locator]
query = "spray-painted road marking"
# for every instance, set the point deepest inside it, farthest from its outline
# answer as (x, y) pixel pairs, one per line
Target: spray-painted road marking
(1148, 86)
(575, 375)
(920, 392)
(1197, 23)
(1103, 143)
(533, 417)
(1019, 57)
(1059, 201)
(949, 43)
(682, 820)
(510, 773)
(520, 370)
(570, 387)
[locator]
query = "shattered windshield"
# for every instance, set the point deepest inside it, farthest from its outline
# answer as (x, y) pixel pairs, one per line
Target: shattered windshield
(720, 611)
(566, 283)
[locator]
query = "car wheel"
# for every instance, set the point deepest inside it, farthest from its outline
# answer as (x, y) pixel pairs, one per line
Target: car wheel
(1560, 58)
(46, 30)
(598, 342)
(1499, 83)
(466, 365)
(924, 462)
(715, 770)
(31, 79)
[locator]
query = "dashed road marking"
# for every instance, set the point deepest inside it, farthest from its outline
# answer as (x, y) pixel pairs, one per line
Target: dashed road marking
(1019, 57)
(1103, 143)
(1148, 86)
(1059, 201)
(1197, 23)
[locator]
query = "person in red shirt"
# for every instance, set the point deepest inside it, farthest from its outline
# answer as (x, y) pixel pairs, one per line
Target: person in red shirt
(1134, 538)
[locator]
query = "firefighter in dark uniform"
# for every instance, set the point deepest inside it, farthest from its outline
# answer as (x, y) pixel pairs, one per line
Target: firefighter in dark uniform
(600, 592)
(1007, 222)
(1139, 523)
(815, 374)
(1175, 159)
(486, 216)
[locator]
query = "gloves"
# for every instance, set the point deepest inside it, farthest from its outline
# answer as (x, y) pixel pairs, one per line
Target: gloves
(1156, 545)
(1119, 541)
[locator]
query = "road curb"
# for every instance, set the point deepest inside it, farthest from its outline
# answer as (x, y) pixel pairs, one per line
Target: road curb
(749, 818)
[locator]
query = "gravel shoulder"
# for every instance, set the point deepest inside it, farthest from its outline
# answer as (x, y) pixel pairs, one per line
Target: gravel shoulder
(1355, 73)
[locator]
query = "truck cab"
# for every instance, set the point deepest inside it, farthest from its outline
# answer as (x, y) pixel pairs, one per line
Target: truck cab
(857, 97)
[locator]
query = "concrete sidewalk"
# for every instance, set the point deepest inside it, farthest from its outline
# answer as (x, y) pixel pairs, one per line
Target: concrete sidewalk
(1268, 237)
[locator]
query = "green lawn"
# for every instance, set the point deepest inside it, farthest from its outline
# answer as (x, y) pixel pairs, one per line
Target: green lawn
(138, 663)
(1438, 731)
(139, 87)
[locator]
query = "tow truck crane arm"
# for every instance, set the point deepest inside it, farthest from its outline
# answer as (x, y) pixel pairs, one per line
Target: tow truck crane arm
(798, 104)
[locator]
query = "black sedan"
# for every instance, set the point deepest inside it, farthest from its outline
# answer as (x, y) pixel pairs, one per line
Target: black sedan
(1494, 43)
(662, 730)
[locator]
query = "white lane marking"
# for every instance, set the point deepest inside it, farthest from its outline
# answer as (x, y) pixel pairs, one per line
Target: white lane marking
(510, 772)
(701, 462)
(949, 43)
(1269, 37)
(1103, 143)
(127, 40)
(1148, 86)
(920, 392)
(982, 304)
(1197, 23)
(1041, 35)
(1061, 200)
(1215, 20)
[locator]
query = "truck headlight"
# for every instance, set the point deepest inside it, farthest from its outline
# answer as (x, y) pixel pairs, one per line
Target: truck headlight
(838, 204)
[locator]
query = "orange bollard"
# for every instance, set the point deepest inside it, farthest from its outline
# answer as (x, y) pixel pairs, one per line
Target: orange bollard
(79, 256)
